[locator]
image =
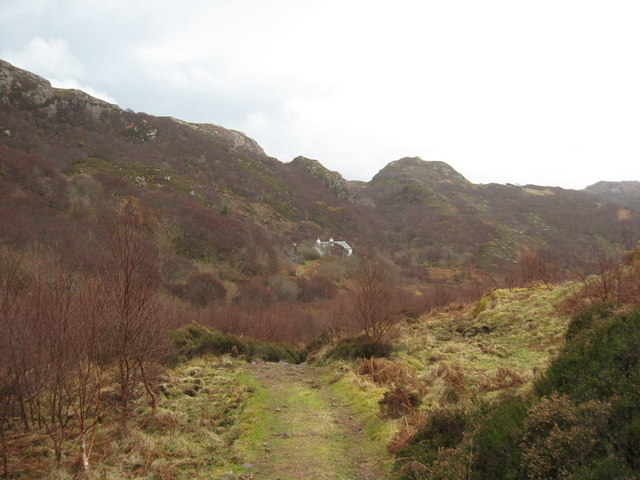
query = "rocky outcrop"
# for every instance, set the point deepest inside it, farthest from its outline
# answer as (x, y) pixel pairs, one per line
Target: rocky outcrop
(332, 180)
(26, 90)
(234, 140)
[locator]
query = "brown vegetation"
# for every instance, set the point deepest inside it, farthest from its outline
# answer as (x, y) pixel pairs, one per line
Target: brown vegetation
(68, 337)
(375, 300)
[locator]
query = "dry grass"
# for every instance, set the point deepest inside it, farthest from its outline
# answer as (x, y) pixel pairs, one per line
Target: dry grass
(400, 402)
(453, 357)
(409, 426)
(452, 375)
(387, 372)
(504, 377)
(498, 343)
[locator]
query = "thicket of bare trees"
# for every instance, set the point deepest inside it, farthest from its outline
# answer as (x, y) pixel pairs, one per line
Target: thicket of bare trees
(69, 336)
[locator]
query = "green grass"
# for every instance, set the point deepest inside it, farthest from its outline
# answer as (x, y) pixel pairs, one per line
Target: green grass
(198, 420)
(362, 398)
(578, 421)
(150, 178)
(518, 329)
(282, 208)
(200, 411)
(261, 173)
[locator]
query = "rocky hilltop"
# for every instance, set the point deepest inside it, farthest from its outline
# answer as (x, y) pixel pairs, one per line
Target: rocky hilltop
(417, 170)
(624, 194)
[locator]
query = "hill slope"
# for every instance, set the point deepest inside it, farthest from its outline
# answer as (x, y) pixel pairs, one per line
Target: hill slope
(624, 194)
(215, 197)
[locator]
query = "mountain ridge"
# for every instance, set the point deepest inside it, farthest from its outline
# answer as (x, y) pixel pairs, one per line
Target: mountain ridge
(623, 193)
(209, 186)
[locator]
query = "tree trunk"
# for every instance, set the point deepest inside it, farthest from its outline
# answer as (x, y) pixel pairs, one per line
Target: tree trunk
(83, 451)
(5, 455)
(24, 414)
(150, 392)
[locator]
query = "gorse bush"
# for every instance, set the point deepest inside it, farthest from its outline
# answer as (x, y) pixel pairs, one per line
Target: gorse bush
(276, 352)
(581, 422)
(497, 440)
(444, 428)
(584, 319)
(601, 363)
(560, 434)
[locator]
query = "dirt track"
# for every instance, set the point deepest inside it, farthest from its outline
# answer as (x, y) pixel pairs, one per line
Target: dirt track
(309, 433)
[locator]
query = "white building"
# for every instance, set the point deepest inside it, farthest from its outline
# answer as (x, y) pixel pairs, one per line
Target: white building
(337, 247)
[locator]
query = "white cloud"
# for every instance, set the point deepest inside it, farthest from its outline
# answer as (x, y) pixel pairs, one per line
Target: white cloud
(54, 60)
(71, 83)
(51, 58)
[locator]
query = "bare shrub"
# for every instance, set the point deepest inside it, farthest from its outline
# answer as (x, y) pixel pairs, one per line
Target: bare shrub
(386, 372)
(409, 427)
(200, 290)
(375, 300)
(399, 402)
(315, 287)
(535, 266)
(284, 288)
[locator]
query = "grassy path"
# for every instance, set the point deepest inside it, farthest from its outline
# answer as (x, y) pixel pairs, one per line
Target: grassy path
(302, 430)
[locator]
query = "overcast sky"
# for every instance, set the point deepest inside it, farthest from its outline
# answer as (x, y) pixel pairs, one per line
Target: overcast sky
(541, 91)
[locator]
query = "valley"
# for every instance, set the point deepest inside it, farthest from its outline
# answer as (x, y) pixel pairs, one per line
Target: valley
(166, 310)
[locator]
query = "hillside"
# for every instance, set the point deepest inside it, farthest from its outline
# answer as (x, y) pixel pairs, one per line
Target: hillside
(439, 217)
(217, 199)
(624, 194)
(212, 193)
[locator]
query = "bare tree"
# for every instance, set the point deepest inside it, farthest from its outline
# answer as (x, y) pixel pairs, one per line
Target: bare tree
(10, 312)
(136, 338)
(376, 308)
(87, 379)
(53, 308)
(536, 266)
(608, 274)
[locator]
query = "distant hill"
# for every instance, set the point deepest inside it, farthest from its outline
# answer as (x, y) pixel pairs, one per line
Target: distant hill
(440, 216)
(623, 194)
(213, 197)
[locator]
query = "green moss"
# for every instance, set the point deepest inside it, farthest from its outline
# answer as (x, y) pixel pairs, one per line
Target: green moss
(481, 305)
(252, 427)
